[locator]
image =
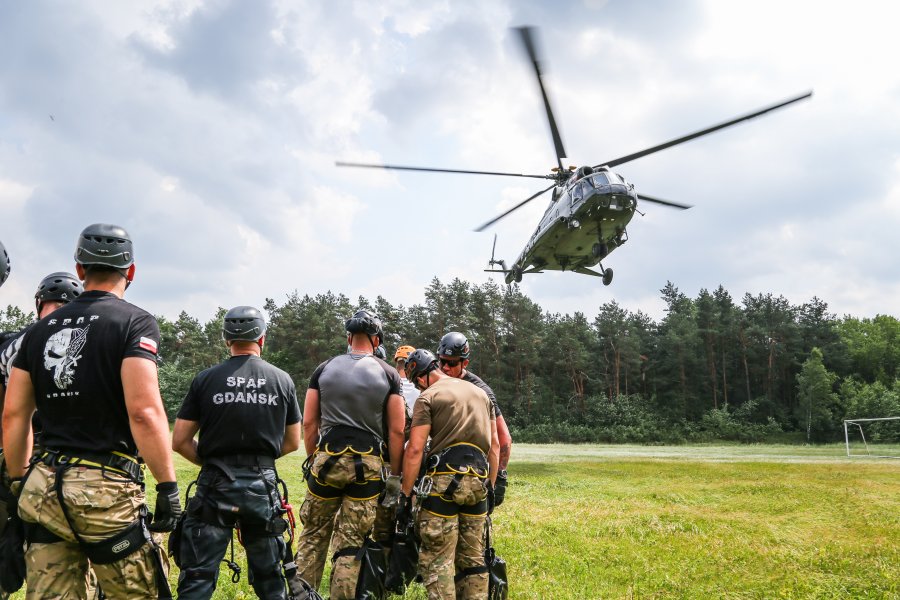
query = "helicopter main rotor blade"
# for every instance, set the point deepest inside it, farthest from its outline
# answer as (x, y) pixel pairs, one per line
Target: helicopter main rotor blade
(665, 202)
(528, 43)
(514, 208)
(708, 130)
(430, 170)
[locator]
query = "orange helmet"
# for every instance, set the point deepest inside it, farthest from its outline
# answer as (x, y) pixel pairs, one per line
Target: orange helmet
(403, 352)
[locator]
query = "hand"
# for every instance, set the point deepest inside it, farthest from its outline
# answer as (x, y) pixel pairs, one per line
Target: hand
(12, 501)
(500, 487)
(168, 507)
(404, 512)
(392, 492)
(491, 502)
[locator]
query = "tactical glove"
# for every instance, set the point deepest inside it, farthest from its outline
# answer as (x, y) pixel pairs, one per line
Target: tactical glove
(392, 492)
(491, 501)
(404, 512)
(168, 507)
(500, 487)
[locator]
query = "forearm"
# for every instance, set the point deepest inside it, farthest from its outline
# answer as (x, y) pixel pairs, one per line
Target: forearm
(494, 463)
(310, 437)
(188, 450)
(505, 441)
(17, 451)
(412, 460)
(150, 429)
(395, 449)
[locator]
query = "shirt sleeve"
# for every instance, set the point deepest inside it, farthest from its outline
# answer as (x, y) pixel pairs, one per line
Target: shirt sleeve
(190, 406)
(422, 410)
(20, 360)
(143, 337)
(314, 380)
(395, 384)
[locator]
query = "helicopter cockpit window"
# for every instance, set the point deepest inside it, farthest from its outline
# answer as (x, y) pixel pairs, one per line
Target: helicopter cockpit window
(599, 179)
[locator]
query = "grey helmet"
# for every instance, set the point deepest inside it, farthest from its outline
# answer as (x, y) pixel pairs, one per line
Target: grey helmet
(364, 321)
(5, 266)
(243, 323)
(58, 287)
(380, 352)
(454, 344)
(419, 363)
(107, 245)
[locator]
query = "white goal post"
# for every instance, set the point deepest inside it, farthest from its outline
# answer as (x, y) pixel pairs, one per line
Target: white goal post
(854, 425)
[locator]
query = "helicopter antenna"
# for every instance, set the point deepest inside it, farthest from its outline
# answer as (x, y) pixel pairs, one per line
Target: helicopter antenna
(528, 43)
(514, 208)
(702, 132)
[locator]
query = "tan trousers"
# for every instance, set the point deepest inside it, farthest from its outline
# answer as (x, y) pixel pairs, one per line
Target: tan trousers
(99, 506)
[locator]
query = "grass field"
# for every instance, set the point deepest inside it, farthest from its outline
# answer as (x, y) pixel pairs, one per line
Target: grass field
(686, 522)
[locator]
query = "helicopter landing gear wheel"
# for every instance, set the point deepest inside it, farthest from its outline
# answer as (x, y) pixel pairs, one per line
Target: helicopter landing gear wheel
(517, 275)
(607, 276)
(600, 250)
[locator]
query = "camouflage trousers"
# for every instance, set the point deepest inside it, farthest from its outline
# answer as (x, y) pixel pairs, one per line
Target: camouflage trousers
(100, 506)
(345, 518)
(453, 543)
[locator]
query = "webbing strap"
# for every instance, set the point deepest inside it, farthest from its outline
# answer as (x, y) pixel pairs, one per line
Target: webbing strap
(355, 551)
(470, 571)
(200, 574)
(358, 468)
(35, 533)
(355, 491)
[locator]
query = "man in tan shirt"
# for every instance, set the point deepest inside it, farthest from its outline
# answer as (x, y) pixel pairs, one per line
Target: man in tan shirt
(460, 471)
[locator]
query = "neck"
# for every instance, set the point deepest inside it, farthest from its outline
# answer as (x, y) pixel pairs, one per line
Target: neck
(113, 286)
(249, 349)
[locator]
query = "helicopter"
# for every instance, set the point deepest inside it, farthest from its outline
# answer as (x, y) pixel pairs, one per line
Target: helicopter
(590, 206)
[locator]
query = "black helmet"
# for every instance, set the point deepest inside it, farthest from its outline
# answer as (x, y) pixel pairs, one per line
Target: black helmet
(365, 322)
(454, 344)
(58, 287)
(243, 323)
(419, 363)
(107, 245)
(5, 266)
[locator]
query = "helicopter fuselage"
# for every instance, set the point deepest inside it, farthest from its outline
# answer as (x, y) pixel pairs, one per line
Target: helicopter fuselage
(585, 221)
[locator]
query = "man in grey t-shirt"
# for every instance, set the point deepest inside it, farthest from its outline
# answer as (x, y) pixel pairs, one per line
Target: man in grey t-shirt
(353, 408)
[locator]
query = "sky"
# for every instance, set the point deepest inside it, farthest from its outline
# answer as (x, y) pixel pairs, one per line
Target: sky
(209, 130)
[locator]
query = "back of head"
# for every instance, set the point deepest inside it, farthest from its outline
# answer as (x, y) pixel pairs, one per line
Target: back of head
(419, 363)
(107, 247)
(58, 287)
(454, 344)
(243, 323)
(5, 265)
(365, 322)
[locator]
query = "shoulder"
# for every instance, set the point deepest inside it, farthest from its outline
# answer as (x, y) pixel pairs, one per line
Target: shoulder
(275, 372)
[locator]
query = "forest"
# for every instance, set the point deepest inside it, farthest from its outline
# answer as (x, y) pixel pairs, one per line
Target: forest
(757, 369)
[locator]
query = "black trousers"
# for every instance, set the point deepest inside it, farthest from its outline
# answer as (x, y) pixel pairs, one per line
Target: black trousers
(249, 500)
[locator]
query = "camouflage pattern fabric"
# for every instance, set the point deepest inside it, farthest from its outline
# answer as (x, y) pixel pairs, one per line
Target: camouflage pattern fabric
(100, 506)
(347, 519)
(451, 544)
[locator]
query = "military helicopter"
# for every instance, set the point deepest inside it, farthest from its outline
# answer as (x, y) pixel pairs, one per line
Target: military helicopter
(590, 207)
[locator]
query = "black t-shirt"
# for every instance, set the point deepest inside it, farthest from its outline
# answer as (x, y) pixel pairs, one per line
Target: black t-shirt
(8, 351)
(243, 406)
(473, 378)
(74, 356)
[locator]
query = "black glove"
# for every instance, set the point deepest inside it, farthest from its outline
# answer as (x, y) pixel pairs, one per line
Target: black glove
(491, 498)
(11, 496)
(500, 487)
(404, 512)
(168, 507)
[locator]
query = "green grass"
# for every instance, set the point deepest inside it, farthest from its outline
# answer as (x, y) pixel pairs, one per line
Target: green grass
(685, 522)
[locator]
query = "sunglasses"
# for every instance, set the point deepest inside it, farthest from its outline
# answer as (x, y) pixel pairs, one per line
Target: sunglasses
(450, 362)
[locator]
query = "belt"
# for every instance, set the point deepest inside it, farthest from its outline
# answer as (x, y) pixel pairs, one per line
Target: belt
(226, 463)
(115, 462)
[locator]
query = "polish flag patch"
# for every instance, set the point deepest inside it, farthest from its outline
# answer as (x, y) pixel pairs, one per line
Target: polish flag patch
(148, 345)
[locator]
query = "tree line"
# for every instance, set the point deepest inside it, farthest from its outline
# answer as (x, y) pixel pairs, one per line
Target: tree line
(713, 368)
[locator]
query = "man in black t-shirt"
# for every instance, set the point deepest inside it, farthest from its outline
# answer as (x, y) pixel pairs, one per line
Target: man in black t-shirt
(247, 414)
(453, 354)
(55, 290)
(90, 369)
(352, 408)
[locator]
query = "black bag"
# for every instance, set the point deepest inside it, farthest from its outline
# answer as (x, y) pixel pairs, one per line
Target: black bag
(373, 564)
(404, 561)
(498, 582)
(12, 555)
